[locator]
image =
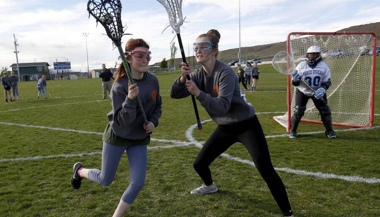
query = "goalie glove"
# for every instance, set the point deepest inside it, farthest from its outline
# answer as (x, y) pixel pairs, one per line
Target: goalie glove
(296, 75)
(319, 93)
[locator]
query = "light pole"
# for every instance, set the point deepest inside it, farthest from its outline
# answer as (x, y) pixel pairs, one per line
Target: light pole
(16, 52)
(88, 68)
(239, 55)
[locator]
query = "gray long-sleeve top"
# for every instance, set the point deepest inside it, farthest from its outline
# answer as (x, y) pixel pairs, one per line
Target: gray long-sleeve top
(125, 118)
(220, 95)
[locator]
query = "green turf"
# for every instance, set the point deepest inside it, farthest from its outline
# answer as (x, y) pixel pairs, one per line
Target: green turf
(42, 188)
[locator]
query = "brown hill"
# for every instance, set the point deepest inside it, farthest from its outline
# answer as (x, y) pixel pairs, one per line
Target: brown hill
(267, 51)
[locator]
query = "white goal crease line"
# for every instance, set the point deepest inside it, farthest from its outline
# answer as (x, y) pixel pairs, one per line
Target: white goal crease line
(287, 170)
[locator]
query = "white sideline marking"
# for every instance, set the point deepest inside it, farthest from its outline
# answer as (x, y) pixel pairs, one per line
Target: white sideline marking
(83, 154)
(288, 170)
(46, 106)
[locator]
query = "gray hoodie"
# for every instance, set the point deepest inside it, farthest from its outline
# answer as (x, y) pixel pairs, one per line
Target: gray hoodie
(125, 118)
(220, 95)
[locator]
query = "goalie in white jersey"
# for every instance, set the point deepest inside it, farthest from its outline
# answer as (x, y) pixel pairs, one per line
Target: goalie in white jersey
(316, 74)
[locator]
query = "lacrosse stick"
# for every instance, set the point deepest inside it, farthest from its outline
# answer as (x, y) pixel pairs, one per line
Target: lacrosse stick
(284, 63)
(174, 10)
(108, 13)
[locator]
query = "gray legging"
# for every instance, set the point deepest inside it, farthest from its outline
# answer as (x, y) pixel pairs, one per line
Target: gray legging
(15, 91)
(111, 154)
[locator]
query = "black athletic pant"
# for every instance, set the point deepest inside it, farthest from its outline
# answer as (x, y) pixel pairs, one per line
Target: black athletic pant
(242, 80)
(301, 100)
(250, 133)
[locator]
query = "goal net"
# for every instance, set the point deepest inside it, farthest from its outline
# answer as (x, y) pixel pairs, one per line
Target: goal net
(352, 66)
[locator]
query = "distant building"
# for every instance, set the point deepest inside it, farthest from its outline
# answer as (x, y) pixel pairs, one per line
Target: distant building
(31, 71)
(95, 73)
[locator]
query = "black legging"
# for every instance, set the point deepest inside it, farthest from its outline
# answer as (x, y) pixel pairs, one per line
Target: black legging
(301, 100)
(242, 80)
(250, 133)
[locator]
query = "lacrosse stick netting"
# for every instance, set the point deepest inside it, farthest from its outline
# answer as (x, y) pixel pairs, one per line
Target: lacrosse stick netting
(108, 13)
(283, 62)
(174, 10)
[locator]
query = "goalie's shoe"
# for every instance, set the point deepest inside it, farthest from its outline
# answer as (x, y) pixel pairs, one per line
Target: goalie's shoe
(76, 180)
(330, 134)
(205, 189)
(293, 135)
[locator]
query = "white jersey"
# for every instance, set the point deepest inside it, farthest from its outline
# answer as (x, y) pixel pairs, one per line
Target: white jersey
(314, 77)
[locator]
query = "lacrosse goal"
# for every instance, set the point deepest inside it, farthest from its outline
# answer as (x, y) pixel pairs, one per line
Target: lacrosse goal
(352, 66)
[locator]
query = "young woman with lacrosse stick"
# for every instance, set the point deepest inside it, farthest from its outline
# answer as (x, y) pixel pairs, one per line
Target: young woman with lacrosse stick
(127, 130)
(316, 76)
(216, 86)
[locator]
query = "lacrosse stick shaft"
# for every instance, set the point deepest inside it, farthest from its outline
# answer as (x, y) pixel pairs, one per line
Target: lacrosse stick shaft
(129, 75)
(188, 78)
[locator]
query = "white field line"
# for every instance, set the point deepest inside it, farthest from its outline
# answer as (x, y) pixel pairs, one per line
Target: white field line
(85, 154)
(192, 141)
(53, 96)
(89, 132)
(47, 106)
(288, 170)
(51, 128)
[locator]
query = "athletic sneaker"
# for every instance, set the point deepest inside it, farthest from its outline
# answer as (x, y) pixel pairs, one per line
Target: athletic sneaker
(330, 134)
(293, 135)
(76, 180)
(205, 189)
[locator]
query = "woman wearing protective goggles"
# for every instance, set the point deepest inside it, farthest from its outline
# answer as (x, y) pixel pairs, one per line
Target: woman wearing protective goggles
(216, 86)
(126, 130)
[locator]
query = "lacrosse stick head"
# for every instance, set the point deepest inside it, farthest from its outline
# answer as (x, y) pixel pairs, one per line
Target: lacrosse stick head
(283, 62)
(108, 13)
(174, 10)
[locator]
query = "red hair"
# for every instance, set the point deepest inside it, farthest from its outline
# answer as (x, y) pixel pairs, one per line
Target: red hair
(130, 46)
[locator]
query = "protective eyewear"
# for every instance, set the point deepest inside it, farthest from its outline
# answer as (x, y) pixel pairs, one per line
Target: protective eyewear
(139, 55)
(204, 46)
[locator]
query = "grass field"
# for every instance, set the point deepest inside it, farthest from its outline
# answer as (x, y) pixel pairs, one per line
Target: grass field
(40, 140)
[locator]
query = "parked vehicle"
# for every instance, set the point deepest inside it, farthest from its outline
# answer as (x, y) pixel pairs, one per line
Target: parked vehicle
(377, 51)
(257, 60)
(333, 53)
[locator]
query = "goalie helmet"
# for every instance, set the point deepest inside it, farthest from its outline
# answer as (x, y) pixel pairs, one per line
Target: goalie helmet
(316, 50)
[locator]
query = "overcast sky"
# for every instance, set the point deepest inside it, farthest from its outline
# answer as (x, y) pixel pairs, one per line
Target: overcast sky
(50, 30)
